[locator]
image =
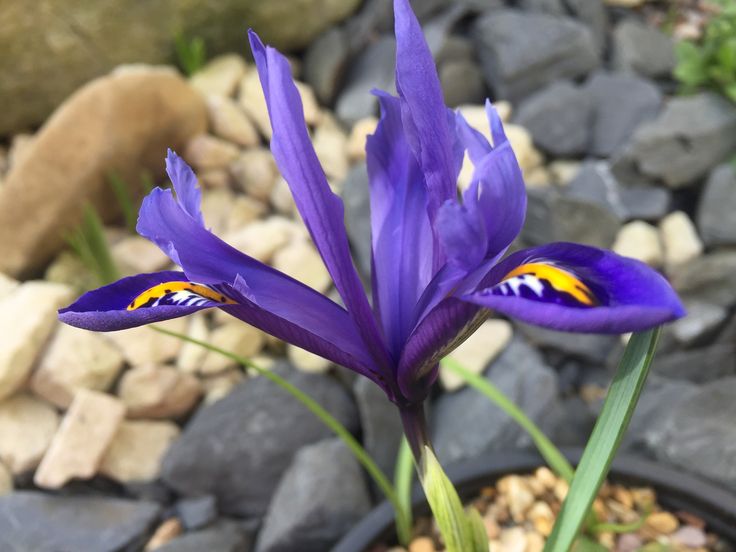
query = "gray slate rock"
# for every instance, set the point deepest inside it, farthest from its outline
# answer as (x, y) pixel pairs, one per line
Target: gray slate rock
(224, 536)
(522, 52)
(594, 14)
(698, 365)
(36, 521)
(356, 197)
(642, 49)
(699, 433)
(645, 202)
(569, 423)
(620, 103)
(320, 497)
(325, 62)
(711, 278)
(197, 512)
(595, 183)
(558, 118)
(702, 322)
(690, 136)
(373, 68)
(466, 424)
(590, 347)
(462, 83)
(380, 422)
(238, 447)
(716, 217)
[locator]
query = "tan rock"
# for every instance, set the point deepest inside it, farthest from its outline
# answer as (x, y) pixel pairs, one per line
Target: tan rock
(6, 480)
(164, 533)
(215, 178)
(358, 135)
(158, 392)
(330, 145)
(122, 122)
(27, 317)
(68, 269)
(137, 255)
(306, 361)
(538, 177)
(312, 112)
(219, 385)
(301, 261)
(521, 142)
(663, 523)
(245, 210)
(255, 173)
(639, 240)
(83, 438)
(478, 351)
(144, 345)
(421, 544)
(137, 449)
(542, 517)
(216, 208)
(563, 171)
(220, 76)
(236, 337)
(251, 99)
(27, 426)
(75, 359)
(680, 240)
(7, 285)
(192, 355)
(20, 145)
(262, 239)
(476, 117)
(209, 152)
(281, 198)
(513, 540)
(229, 122)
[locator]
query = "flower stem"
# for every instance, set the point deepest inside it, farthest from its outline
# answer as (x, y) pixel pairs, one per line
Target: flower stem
(415, 429)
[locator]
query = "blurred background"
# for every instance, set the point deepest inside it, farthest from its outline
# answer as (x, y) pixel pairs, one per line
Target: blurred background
(622, 114)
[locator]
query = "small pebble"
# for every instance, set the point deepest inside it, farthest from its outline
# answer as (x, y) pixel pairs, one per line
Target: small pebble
(422, 544)
(167, 531)
(689, 536)
(662, 522)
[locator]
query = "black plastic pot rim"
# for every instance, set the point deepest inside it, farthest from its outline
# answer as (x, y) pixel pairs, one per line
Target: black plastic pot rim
(676, 490)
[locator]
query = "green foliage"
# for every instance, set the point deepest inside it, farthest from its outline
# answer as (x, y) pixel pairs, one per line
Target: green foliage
(90, 244)
(711, 63)
(403, 476)
(191, 54)
(125, 200)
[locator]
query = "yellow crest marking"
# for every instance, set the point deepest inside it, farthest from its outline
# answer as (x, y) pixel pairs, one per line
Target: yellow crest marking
(177, 292)
(559, 279)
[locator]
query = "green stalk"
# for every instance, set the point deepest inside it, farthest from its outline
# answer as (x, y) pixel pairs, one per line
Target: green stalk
(403, 476)
(403, 521)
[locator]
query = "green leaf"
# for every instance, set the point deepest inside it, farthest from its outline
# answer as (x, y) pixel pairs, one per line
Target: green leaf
(586, 544)
(403, 476)
(403, 523)
(618, 408)
(191, 54)
(89, 242)
(551, 454)
(478, 529)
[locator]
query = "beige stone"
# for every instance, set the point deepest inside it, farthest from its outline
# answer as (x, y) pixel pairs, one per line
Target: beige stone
(679, 239)
(7, 285)
(191, 355)
(144, 345)
(538, 177)
(27, 426)
(513, 539)
(68, 269)
(639, 240)
(306, 361)
(262, 239)
(301, 261)
(137, 255)
(255, 173)
(220, 76)
(563, 171)
(478, 351)
(236, 337)
(216, 208)
(164, 533)
(158, 392)
(20, 145)
(281, 198)
(251, 99)
(123, 122)
(75, 359)
(137, 449)
(244, 211)
(6, 480)
(219, 385)
(209, 152)
(215, 178)
(421, 544)
(82, 439)
(330, 145)
(521, 142)
(27, 318)
(312, 112)
(229, 122)
(358, 135)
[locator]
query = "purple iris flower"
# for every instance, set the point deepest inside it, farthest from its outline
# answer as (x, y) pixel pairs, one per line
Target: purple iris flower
(438, 260)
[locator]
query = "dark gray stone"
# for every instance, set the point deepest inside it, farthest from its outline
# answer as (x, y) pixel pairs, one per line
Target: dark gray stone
(558, 117)
(698, 365)
(466, 423)
(590, 347)
(325, 62)
(690, 136)
(702, 322)
(522, 52)
(373, 68)
(643, 49)
(381, 424)
(620, 103)
(356, 196)
(321, 496)
(716, 218)
(645, 202)
(462, 83)
(197, 512)
(35, 521)
(238, 447)
(594, 14)
(454, 48)
(570, 423)
(224, 536)
(550, 7)
(711, 278)
(699, 433)
(595, 183)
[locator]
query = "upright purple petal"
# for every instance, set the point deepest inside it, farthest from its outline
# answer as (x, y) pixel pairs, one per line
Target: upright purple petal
(401, 232)
(184, 180)
(570, 287)
(423, 107)
(321, 210)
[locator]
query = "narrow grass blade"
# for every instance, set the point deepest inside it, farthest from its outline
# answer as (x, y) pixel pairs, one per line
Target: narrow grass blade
(403, 477)
(604, 441)
(125, 201)
(90, 244)
(191, 54)
(551, 454)
(403, 523)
